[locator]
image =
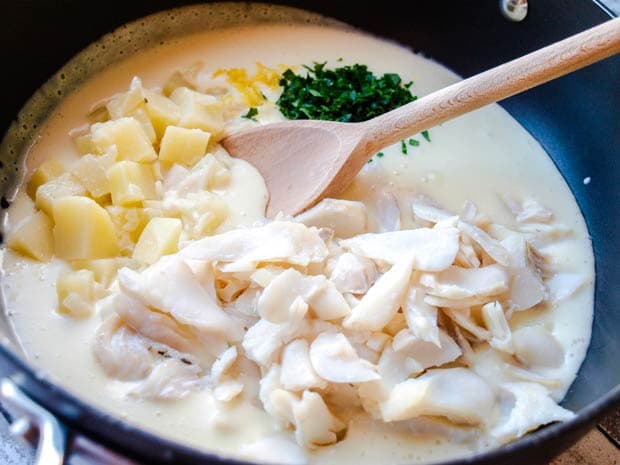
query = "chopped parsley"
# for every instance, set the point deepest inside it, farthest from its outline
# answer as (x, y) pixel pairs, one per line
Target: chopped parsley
(403, 147)
(251, 114)
(426, 136)
(346, 94)
(414, 142)
(379, 154)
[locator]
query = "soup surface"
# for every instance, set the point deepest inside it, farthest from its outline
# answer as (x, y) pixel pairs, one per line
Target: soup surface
(360, 383)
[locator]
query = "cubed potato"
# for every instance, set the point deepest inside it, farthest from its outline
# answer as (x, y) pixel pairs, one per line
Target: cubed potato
(147, 126)
(219, 174)
(154, 204)
(98, 113)
(160, 237)
(84, 144)
(178, 79)
(136, 220)
(128, 138)
(33, 237)
(54, 189)
(128, 223)
(131, 183)
(153, 209)
(156, 169)
(92, 170)
(202, 213)
(212, 214)
(183, 146)
(76, 293)
(83, 230)
(104, 269)
(162, 111)
(132, 104)
(127, 103)
(199, 111)
(48, 170)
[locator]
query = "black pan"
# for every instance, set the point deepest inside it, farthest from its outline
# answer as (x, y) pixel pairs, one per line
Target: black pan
(575, 118)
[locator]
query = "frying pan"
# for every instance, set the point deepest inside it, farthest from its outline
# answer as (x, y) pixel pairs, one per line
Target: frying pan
(575, 118)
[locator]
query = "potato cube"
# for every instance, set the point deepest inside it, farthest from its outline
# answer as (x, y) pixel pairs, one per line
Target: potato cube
(219, 173)
(98, 114)
(143, 118)
(104, 269)
(131, 183)
(92, 170)
(213, 211)
(131, 220)
(83, 230)
(183, 146)
(162, 111)
(153, 209)
(84, 144)
(128, 223)
(33, 237)
(62, 186)
(178, 79)
(76, 293)
(160, 237)
(132, 103)
(126, 103)
(47, 171)
(127, 135)
(156, 169)
(202, 213)
(199, 111)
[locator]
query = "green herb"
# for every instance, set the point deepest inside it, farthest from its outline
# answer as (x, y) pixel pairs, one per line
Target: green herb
(426, 136)
(346, 94)
(414, 142)
(370, 160)
(379, 154)
(251, 114)
(403, 147)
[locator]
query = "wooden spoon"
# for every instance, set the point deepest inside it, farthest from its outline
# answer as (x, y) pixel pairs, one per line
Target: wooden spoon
(305, 161)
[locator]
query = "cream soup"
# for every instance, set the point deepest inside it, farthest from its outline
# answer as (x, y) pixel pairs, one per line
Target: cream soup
(515, 214)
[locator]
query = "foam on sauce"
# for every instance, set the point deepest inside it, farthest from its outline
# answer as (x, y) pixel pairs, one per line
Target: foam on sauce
(475, 157)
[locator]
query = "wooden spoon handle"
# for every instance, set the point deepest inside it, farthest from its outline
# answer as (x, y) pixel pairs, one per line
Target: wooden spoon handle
(495, 84)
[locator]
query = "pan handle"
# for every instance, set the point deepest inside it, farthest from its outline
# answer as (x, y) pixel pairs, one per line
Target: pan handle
(52, 441)
(28, 418)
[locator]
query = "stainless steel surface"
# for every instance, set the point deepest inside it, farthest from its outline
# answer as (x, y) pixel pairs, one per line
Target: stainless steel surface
(34, 436)
(85, 452)
(35, 424)
(12, 451)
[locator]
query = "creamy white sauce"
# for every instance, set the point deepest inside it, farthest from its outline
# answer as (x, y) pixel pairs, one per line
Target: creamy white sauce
(476, 157)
